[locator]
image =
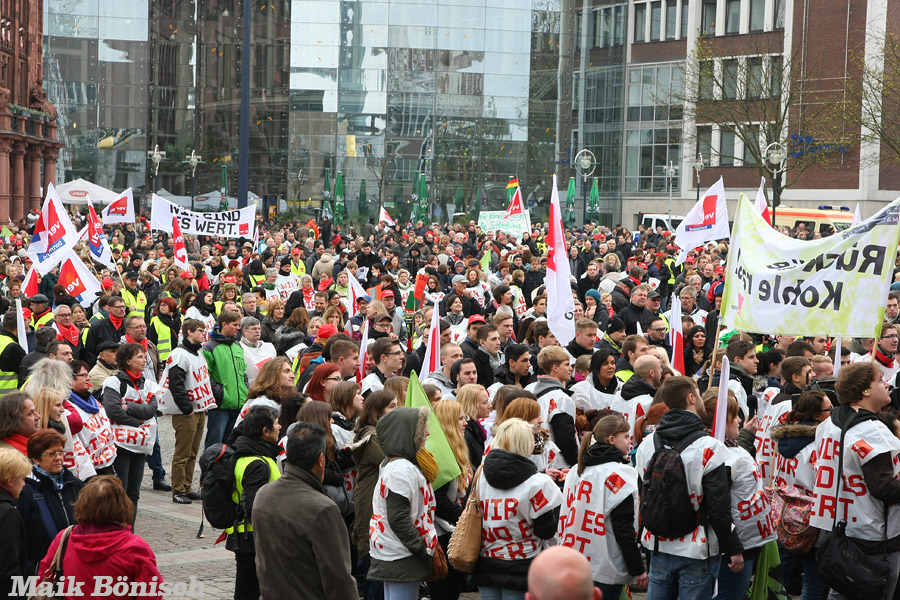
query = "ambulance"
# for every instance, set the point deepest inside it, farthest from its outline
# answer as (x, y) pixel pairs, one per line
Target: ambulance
(825, 219)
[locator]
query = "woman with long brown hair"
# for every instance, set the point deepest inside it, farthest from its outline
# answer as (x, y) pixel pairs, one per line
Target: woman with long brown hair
(346, 402)
(273, 387)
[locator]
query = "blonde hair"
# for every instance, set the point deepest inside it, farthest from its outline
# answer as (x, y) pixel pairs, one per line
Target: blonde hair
(514, 435)
(43, 399)
(468, 398)
(447, 413)
(398, 385)
(13, 465)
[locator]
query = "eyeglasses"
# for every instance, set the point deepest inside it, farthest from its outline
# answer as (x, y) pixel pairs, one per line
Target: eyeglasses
(657, 329)
(338, 378)
(890, 337)
(82, 375)
(138, 327)
(57, 453)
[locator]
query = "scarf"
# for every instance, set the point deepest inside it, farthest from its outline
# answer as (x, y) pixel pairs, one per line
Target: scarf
(19, 442)
(87, 404)
(134, 377)
(57, 479)
(428, 464)
(117, 323)
(131, 340)
(883, 359)
(68, 334)
(56, 425)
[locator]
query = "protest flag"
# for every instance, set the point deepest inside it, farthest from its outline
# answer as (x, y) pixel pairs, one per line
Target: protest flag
(721, 416)
(675, 336)
(762, 207)
(707, 221)
(120, 210)
(432, 360)
(437, 444)
(30, 285)
(856, 218)
(53, 233)
(181, 256)
(363, 353)
(97, 242)
(560, 305)
(21, 330)
(384, 217)
(356, 292)
(515, 205)
(77, 280)
(837, 356)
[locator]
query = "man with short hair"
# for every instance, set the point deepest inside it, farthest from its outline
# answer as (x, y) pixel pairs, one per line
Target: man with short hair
(250, 306)
(136, 333)
(450, 353)
(463, 372)
(516, 371)
(686, 566)
(187, 396)
(800, 348)
(320, 302)
(110, 329)
(488, 358)
(583, 342)
(636, 395)
(296, 524)
(135, 299)
(561, 573)
(505, 323)
(822, 367)
(557, 407)
(345, 354)
(256, 352)
(819, 344)
(388, 358)
(60, 350)
(636, 313)
(106, 363)
(884, 353)
(892, 309)
(19, 420)
(228, 374)
(656, 335)
(633, 347)
(689, 308)
(66, 330)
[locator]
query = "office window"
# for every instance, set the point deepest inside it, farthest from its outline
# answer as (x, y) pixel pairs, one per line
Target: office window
(707, 79)
(684, 19)
(730, 70)
(732, 16)
(779, 14)
(726, 148)
(751, 145)
(640, 22)
(704, 142)
(655, 21)
(757, 14)
(776, 67)
(709, 18)
(671, 19)
(755, 78)
(619, 25)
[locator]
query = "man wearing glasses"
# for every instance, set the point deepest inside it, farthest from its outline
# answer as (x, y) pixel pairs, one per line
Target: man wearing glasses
(656, 335)
(388, 357)
(110, 329)
(884, 353)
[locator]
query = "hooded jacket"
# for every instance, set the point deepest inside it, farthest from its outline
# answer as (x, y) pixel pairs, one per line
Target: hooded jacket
(558, 412)
(796, 445)
(368, 456)
(511, 476)
(60, 505)
(227, 370)
(256, 475)
(106, 550)
(401, 433)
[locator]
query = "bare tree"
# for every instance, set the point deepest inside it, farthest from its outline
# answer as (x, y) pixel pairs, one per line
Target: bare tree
(381, 164)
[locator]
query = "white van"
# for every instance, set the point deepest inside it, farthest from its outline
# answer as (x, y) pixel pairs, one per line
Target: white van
(652, 221)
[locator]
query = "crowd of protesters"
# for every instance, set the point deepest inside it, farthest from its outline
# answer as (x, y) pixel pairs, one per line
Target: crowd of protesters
(257, 346)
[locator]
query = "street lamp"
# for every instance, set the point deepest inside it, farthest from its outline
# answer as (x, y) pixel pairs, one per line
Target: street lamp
(194, 160)
(671, 171)
(776, 162)
(585, 165)
(157, 157)
(698, 166)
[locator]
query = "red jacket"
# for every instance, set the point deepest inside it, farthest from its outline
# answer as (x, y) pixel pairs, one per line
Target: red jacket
(105, 551)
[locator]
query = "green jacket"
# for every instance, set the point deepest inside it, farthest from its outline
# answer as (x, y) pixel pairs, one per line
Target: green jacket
(227, 370)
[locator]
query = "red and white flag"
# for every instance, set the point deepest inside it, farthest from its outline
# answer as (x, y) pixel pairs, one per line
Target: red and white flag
(676, 339)
(97, 241)
(384, 217)
(30, 285)
(120, 210)
(77, 280)
(54, 234)
(431, 362)
(363, 353)
(761, 205)
(515, 205)
(721, 416)
(560, 305)
(181, 256)
(356, 292)
(706, 222)
(21, 329)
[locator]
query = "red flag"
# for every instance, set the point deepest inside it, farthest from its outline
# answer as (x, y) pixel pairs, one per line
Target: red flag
(675, 336)
(560, 305)
(363, 353)
(181, 257)
(421, 282)
(30, 285)
(515, 204)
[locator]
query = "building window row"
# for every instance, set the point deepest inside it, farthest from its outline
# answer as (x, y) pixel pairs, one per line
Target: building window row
(741, 78)
(650, 26)
(730, 146)
(606, 27)
(729, 17)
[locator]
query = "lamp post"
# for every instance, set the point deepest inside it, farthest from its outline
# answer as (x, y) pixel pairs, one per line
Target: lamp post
(157, 156)
(194, 160)
(776, 162)
(698, 166)
(585, 165)
(670, 171)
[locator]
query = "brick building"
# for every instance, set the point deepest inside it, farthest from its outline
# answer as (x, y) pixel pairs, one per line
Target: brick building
(28, 136)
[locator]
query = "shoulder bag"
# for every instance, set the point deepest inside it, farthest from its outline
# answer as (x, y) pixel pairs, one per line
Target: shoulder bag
(54, 572)
(464, 547)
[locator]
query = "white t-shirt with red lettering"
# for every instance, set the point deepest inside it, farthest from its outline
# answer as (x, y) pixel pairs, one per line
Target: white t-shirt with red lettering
(401, 477)
(507, 516)
(765, 446)
(750, 507)
(583, 524)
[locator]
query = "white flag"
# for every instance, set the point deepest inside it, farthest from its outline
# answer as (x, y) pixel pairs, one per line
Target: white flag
(856, 218)
(722, 402)
(560, 305)
(77, 280)
(120, 210)
(54, 234)
(21, 330)
(356, 292)
(432, 360)
(384, 217)
(837, 356)
(706, 222)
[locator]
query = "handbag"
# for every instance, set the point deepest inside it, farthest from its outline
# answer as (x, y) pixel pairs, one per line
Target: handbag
(790, 511)
(439, 569)
(464, 546)
(55, 567)
(843, 565)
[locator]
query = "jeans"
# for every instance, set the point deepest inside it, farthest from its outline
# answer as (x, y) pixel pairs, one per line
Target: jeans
(369, 589)
(813, 588)
(496, 593)
(676, 577)
(246, 585)
(401, 590)
(130, 470)
(155, 462)
(734, 586)
(219, 424)
(188, 435)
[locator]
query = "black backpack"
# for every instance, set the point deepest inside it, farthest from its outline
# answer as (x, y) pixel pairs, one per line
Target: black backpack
(217, 485)
(666, 509)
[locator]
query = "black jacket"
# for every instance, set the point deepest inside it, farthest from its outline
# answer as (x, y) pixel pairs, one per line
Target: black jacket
(637, 386)
(256, 475)
(414, 360)
(631, 315)
(12, 355)
(13, 540)
(561, 425)
(475, 436)
(101, 331)
(620, 299)
(675, 426)
(469, 348)
(504, 377)
(484, 368)
(586, 283)
(60, 505)
(505, 470)
(576, 350)
(28, 361)
(176, 381)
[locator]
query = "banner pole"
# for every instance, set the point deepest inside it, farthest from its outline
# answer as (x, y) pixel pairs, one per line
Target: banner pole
(712, 359)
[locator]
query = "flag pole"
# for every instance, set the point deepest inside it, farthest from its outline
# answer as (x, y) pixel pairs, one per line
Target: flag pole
(712, 359)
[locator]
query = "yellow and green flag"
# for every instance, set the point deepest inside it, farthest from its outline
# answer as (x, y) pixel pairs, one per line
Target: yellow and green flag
(437, 444)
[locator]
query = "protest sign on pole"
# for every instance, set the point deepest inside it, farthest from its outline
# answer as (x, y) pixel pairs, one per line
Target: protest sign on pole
(834, 286)
(97, 242)
(516, 224)
(238, 223)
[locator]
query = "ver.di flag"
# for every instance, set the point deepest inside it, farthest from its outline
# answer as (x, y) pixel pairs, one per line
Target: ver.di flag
(30, 285)
(832, 286)
(21, 330)
(53, 234)
(77, 280)
(515, 205)
(384, 217)
(676, 340)
(706, 222)
(432, 360)
(180, 250)
(120, 210)
(560, 305)
(762, 206)
(436, 443)
(97, 241)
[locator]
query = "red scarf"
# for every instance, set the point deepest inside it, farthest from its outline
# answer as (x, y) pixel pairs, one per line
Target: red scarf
(131, 340)
(117, 323)
(19, 442)
(68, 334)
(883, 359)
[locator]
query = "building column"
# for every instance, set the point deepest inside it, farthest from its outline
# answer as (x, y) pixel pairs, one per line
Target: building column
(5, 147)
(17, 207)
(50, 156)
(34, 185)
